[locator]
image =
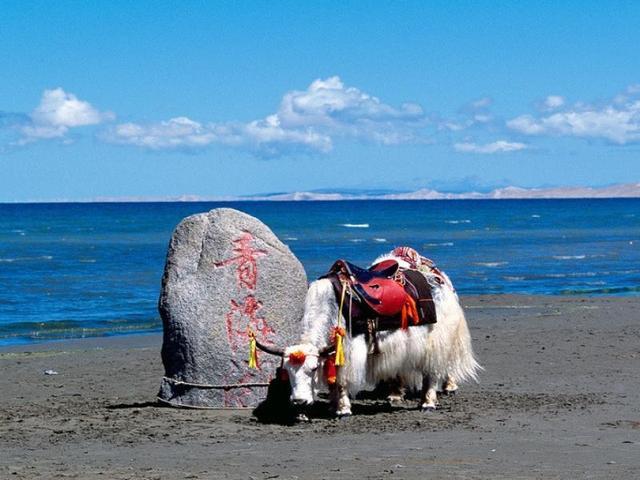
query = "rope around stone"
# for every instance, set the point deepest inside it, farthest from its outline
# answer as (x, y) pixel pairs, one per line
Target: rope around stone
(219, 387)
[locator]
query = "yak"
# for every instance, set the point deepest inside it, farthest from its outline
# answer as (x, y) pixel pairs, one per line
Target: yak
(425, 357)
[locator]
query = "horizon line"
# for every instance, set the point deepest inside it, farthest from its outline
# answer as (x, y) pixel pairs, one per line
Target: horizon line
(629, 190)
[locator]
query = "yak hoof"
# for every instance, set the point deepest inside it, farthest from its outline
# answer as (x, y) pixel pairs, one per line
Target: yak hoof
(343, 416)
(450, 392)
(302, 417)
(428, 408)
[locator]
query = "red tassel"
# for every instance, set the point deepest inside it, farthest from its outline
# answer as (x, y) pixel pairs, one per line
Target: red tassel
(409, 310)
(297, 358)
(413, 311)
(330, 372)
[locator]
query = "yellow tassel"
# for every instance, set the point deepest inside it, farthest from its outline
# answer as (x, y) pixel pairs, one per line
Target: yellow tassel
(253, 353)
(339, 350)
(339, 332)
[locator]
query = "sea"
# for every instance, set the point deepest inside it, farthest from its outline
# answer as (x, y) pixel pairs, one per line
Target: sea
(73, 270)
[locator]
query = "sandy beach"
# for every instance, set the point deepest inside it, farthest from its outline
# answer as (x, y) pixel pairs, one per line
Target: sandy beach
(558, 399)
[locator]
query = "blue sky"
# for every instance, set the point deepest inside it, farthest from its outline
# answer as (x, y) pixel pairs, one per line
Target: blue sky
(109, 99)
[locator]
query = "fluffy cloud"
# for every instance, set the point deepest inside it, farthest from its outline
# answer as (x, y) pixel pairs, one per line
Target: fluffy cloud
(266, 137)
(347, 111)
(175, 132)
(307, 120)
(552, 102)
(617, 121)
(498, 146)
(58, 112)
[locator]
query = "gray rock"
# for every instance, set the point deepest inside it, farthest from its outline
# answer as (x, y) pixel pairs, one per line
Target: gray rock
(225, 271)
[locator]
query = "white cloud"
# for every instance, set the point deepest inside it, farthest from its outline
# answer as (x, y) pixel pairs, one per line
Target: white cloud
(176, 132)
(269, 137)
(58, 108)
(481, 103)
(552, 102)
(265, 137)
(526, 124)
(58, 112)
(617, 121)
(498, 146)
(306, 120)
(347, 111)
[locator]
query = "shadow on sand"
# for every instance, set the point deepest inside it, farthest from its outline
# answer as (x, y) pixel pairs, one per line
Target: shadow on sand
(277, 409)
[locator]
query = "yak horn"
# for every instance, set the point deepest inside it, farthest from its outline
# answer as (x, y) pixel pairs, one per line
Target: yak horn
(278, 352)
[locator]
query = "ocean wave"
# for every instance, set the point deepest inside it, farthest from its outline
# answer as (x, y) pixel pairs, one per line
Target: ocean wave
(87, 260)
(442, 244)
(569, 257)
(62, 329)
(573, 274)
(535, 216)
(380, 240)
(601, 291)
(291, 239)
(513, 279)
(25, 259)
(491, 264)
(455, 222)
(356, 240)
(355, 225)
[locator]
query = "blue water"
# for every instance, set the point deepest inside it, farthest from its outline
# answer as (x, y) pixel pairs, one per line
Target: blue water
(75, 270)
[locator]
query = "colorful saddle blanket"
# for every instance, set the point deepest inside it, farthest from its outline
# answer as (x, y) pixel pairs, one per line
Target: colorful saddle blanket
(385, 294)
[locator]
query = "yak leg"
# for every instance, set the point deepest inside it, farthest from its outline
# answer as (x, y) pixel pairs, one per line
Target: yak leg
(340, 402)
(450, 386)
(429, 397)
(396, 391)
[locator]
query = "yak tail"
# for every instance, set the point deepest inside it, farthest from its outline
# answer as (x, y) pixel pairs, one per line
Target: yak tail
(463, 365)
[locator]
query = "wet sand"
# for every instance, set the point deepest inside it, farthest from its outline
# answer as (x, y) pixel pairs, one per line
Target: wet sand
(559, 398)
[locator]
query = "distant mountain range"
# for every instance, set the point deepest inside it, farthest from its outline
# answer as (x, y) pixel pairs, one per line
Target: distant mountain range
(628, 190)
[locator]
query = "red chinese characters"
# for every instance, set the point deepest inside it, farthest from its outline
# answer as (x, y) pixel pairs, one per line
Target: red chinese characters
(245, 260)
(245, 313)
(237, 328)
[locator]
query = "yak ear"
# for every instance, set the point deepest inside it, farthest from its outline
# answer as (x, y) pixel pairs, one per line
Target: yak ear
(278, 352)
(327, 351)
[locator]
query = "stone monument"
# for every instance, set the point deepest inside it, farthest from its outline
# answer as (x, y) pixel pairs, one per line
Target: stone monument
(226, 272)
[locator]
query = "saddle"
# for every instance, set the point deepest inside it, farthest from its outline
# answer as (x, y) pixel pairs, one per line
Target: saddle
(384, 294)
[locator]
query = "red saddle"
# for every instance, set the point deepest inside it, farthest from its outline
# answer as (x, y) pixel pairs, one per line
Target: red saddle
(376, 287)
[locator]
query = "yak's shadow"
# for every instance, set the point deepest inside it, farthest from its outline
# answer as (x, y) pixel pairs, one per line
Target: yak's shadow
(277, 409)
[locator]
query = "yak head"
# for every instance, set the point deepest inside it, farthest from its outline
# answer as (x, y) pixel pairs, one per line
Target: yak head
(301, 363)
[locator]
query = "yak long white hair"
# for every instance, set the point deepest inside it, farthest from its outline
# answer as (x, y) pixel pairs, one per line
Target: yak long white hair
(441, 350)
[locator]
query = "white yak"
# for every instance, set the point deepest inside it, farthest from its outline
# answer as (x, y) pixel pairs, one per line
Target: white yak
(425, 357)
